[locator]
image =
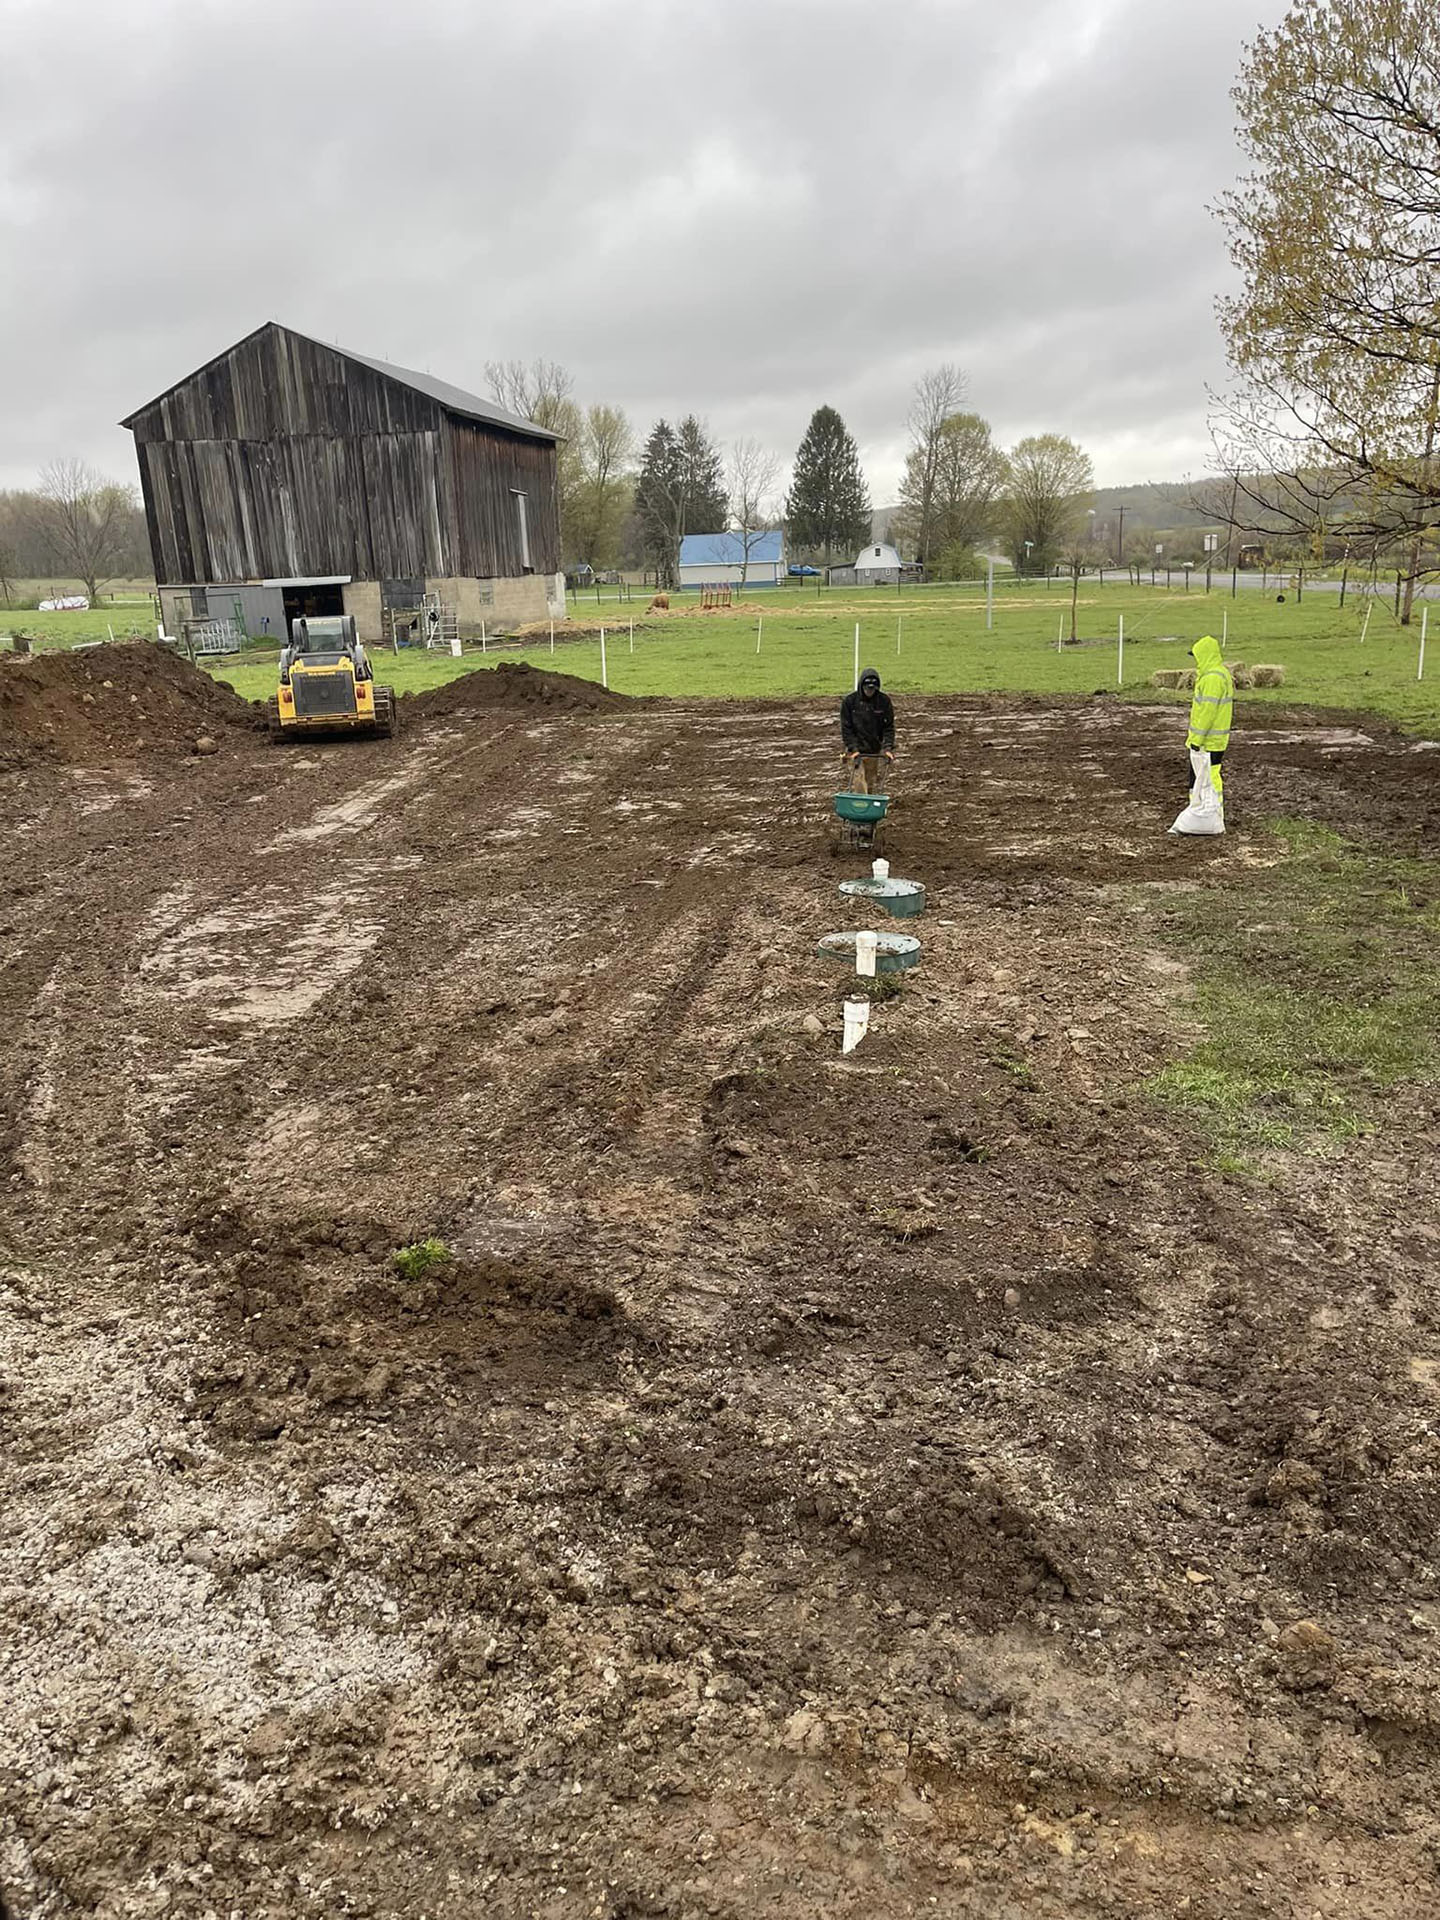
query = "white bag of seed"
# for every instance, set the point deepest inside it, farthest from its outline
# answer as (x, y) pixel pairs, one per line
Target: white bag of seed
(1204, 815)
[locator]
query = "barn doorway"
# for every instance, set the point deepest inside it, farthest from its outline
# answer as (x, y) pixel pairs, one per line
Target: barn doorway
(320, 601)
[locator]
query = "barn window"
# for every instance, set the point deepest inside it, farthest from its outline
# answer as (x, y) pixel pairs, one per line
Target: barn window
(523, 512)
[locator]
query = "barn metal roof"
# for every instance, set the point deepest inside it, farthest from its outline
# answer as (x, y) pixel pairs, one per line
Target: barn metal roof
(454, 399)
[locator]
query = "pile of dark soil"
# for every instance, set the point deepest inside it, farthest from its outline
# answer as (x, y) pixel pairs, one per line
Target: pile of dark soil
(510, 686)
(107, 703)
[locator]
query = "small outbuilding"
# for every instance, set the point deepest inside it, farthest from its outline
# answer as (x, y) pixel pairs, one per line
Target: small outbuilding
(878, 565)
(728, 559)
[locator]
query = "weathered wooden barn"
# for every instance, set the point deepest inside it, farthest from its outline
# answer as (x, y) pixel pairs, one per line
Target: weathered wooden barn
(287, 476)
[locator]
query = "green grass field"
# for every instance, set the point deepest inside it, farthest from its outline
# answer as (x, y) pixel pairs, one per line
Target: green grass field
(1305, 1035)
(126, 608)
(807, 647)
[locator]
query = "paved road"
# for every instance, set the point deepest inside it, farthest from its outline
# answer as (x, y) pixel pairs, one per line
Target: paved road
(1276, 582)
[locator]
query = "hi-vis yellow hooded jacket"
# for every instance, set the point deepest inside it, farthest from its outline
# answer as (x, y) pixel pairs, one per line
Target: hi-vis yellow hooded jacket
(1214, 700)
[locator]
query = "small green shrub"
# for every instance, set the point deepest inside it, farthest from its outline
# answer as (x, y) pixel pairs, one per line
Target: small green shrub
(421, 1258)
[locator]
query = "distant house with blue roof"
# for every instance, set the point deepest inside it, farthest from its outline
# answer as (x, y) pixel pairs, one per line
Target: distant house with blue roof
(720, 559)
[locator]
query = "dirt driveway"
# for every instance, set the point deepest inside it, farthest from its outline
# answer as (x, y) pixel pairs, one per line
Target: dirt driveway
(912, 1483)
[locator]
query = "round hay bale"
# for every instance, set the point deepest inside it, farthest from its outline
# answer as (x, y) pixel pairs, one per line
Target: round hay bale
(1267, 676)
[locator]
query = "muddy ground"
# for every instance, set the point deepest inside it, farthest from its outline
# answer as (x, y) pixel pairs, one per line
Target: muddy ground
(911, 1483)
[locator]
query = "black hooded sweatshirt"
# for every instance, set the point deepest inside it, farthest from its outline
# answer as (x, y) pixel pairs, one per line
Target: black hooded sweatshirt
(867, 725)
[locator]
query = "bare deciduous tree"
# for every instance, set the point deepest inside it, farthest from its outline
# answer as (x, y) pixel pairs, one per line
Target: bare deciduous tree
(938, 396)
(754, 479)
(84, 521)
(538, 390)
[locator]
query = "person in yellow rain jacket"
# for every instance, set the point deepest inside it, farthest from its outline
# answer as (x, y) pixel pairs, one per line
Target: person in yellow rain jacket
(1210, 710)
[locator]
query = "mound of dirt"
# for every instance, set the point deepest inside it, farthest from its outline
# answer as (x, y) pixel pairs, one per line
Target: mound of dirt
(513, 686)
(112, 702)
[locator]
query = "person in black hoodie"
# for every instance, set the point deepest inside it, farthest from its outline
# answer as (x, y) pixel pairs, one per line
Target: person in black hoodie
(867, 728)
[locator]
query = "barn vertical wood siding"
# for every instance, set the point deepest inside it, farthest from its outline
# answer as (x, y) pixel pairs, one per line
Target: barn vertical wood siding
(286, 459)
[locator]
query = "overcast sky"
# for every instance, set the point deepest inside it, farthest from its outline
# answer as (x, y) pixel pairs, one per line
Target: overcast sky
(742, 208)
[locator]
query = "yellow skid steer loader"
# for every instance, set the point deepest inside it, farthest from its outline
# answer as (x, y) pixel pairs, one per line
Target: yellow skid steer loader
(327, 685)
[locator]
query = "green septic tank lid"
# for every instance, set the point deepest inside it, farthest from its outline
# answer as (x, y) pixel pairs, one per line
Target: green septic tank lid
(901, 899)
(894, 952)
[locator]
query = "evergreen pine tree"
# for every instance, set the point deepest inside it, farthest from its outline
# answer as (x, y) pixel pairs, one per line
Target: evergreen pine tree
(703, 472)
(829, 506)
(660, 501)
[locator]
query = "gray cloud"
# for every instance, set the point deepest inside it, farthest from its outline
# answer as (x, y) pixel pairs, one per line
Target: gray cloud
(738, 208)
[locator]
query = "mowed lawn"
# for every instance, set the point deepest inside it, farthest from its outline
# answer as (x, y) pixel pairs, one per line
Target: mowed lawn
(935, 640)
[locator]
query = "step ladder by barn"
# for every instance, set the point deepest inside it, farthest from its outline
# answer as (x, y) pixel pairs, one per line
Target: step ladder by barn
(439, 624)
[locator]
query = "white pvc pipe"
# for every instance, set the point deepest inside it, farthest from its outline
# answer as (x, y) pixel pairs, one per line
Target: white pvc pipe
(483, 643)
(857, 1022)
(857, 653)
(604, 677)
(632, 636)
(1424, 629)
(865, 949)
(1060, 636)
(899, 629)
(1120, 655)
(989, 590)
(1366, 628)
(1225, 627)
(759, 630)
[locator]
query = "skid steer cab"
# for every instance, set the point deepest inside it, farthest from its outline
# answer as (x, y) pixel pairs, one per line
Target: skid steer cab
(327, 685)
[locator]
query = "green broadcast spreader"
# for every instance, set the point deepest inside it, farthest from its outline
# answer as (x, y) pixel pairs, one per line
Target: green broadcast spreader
(864, 809)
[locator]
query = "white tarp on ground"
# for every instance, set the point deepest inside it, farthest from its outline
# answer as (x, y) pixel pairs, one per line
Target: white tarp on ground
(68, 603)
